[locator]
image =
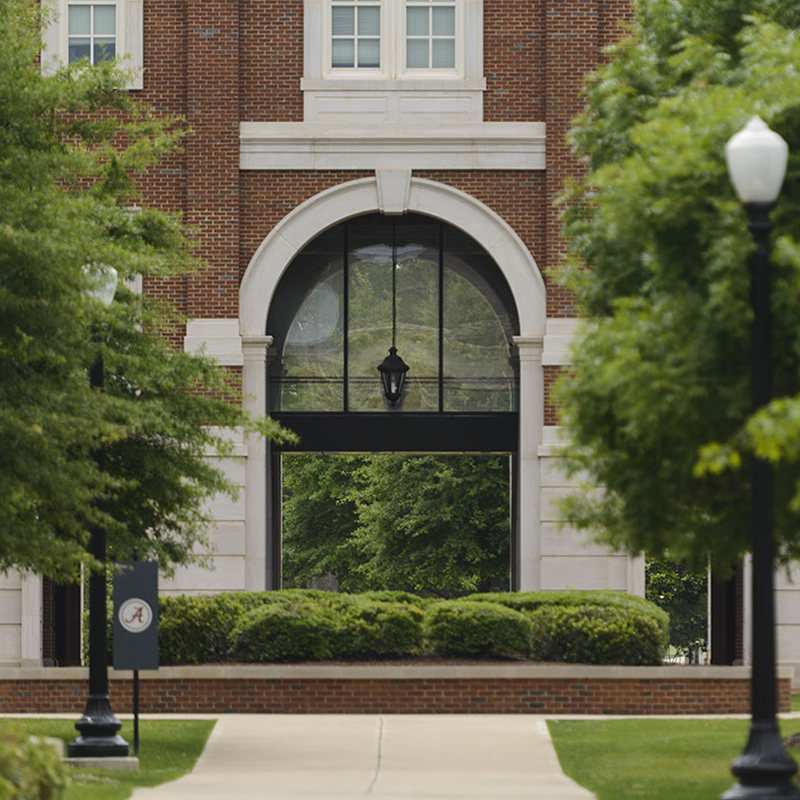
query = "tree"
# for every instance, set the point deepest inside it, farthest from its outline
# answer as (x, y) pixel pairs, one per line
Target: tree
(684, 596)
(430, 524)
(657, 405)
(72, 147)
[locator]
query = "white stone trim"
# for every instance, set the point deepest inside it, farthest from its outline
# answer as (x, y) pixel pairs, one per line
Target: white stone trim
(531, 419)
(254, 391)
(309, 146)
(217, 338)
(325, 95)
(31, 646)
(559, 335)
(129, 38)
(394, 187)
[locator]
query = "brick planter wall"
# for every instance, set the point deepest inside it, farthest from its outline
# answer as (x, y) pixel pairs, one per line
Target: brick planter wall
(495, 689)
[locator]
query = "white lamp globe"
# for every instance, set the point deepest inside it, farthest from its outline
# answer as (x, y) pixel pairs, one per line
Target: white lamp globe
(103, 282)
(756, 158)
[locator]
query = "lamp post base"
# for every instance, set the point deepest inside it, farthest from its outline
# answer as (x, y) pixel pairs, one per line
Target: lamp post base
(764, 769)
(99, 732)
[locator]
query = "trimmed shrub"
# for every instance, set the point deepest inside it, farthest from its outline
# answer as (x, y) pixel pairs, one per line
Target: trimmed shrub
(370, 629)
(530, 601)
(389, 596)
(30, 770)
(597, 635)
(285, 631)
(477, 630)
(196, 630)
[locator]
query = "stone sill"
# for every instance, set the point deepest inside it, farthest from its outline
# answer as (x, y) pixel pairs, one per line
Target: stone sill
(398, 672)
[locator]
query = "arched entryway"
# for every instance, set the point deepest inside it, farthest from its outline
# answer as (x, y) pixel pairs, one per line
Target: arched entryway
(444, 411)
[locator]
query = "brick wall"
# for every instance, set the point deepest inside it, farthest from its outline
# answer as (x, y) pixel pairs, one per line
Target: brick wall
(373, 695)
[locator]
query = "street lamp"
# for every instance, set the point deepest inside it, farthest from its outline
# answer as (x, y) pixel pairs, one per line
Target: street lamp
(756, 158)
(98, 727)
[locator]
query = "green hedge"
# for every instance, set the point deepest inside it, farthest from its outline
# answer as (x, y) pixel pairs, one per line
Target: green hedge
(303, 624)
(30, 770)
(487, 630)
(530, 601)
(596, 635)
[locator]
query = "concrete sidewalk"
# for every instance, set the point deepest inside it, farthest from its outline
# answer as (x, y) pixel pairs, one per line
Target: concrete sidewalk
(391, 757)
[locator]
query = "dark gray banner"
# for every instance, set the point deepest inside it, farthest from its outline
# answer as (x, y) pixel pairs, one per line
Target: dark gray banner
(136, 615)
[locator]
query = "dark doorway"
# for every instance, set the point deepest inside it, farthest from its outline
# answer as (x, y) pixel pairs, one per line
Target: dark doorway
(61, 619)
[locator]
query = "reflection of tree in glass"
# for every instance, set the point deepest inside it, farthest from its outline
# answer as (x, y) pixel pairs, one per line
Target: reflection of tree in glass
(433, 524)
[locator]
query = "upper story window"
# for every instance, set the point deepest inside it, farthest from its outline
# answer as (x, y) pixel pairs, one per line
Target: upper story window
(430, 34)
(356, 34)
(92, 32)
(395, 38)
(95, 30)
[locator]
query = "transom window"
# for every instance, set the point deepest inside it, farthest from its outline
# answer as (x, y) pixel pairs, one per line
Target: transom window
(362, 285)
(92, 32)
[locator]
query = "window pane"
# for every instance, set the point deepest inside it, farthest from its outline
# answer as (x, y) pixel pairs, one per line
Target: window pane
(343, 52)
(369, 53)
(369, 21)
(444, 22)
(417, 54)
(104, 50)
(417, 20)
(80, 20)
(343, 21)
(78, 49)
(370, 306)
(418, 313)
(444, 54)
(105, 20)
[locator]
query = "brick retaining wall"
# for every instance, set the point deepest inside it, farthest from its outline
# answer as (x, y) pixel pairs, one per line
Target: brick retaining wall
(504, 689)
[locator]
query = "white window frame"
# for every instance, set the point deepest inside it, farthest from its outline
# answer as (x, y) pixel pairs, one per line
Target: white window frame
(459, 68)
(468, 40)
(129, 35)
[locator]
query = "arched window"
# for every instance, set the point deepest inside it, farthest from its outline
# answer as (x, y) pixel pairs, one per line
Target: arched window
(333, 311)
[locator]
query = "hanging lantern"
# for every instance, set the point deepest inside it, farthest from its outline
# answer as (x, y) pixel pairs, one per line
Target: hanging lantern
(393, 375)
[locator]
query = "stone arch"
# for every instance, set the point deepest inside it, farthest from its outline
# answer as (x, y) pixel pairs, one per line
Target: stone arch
(363, 196)
(392, 192)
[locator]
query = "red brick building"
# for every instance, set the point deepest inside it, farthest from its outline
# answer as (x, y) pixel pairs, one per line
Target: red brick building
(362, 173)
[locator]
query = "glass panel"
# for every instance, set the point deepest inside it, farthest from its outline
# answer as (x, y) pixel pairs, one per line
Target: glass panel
(80, 20)
(444, 22)
(444, 54)
(311, 368)
(369, 53)
(417, 21)
(479, 373)
(369, 21)
(370, 324)
(105, 20)
(104, 50)
(418, 313)
(417, 54)
(343, 53)
(78, 49)
(343, 21)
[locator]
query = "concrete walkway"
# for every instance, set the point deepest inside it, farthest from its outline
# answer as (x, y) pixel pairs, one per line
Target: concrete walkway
(392, 757)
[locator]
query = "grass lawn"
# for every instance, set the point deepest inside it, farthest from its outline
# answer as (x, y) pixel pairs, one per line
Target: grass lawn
(654, 759)
(167, 750)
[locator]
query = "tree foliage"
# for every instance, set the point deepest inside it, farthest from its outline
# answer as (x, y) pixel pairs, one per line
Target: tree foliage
(434, 525)
(72, 148)
(683, 594)
(657, 405)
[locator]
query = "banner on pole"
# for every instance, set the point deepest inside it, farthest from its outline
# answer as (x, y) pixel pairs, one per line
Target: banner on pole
(136, 615)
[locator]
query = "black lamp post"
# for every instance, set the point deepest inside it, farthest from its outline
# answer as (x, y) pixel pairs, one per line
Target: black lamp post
(757, 159)
(98, 727)
(393, 369)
